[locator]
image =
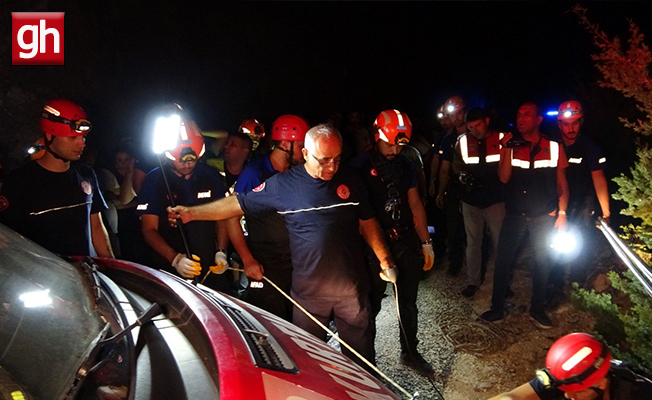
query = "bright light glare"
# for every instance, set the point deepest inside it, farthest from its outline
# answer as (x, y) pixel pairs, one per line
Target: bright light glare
(39, 298)
(564, 242)
(450, 108)
(440, 115)
(552, 113)
(568, 113)
(166, 133)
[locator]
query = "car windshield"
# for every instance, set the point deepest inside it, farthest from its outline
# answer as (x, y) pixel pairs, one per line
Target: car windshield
(48, 318)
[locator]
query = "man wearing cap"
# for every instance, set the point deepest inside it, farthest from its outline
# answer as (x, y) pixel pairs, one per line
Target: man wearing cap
(190, 183)
(482, 201)
(580, 367)
(267, 246)
(55, 200)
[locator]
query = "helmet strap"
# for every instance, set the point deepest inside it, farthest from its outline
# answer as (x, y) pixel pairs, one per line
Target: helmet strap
(47, 143)
(598, 391)
(289, 152)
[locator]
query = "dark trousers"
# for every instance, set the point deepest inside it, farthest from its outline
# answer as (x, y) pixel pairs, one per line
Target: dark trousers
(454, 231)
(352, 316)
(278, 269)
(408, 256)
(512, 234)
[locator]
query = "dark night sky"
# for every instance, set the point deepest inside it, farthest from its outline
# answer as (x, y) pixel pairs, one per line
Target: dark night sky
(228, 61)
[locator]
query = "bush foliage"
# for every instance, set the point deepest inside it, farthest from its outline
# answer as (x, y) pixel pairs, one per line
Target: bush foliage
(624, 313)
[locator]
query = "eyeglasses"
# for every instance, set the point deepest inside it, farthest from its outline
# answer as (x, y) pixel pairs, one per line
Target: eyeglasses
(328, 161)
(78, 125)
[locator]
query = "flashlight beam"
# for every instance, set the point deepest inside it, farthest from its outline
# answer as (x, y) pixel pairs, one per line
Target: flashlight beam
(631, 259)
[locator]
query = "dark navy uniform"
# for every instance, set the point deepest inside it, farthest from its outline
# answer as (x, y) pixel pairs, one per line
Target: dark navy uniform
(203, 186)
(400, 235)
(53, 208)
(452, 205)
(322, 219)
(269, 243)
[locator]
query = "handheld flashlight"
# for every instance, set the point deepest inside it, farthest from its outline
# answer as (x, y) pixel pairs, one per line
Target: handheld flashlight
(564, 242)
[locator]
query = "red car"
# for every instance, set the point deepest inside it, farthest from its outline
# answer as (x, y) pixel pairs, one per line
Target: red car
(112, 330)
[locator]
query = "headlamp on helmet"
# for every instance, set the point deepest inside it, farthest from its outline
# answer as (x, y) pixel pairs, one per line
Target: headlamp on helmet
(570, 111)
(64, 118)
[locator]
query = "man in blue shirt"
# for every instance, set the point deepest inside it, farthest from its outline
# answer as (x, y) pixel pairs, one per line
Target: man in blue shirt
(191, 183)
(267, 248)
(325, 209)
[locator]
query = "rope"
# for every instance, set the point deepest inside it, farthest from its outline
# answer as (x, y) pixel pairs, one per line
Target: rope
(336, 337)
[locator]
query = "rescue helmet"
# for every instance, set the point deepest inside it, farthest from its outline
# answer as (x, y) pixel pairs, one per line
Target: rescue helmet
(289, 127)
(190, 143)
(570, 111)
(575, 362)
(393, 127)
(454, 104)
(251, 127)
(64, 118)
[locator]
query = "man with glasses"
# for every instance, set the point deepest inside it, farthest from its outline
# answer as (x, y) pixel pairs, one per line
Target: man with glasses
(190, 183)
(55, 200)
(325, 209)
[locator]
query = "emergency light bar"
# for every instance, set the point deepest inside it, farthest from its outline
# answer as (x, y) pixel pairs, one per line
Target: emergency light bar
(552, 113)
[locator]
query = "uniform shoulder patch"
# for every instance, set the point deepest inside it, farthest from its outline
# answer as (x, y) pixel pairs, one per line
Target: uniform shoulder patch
(4, 203)
(343, 192)
(86, 187)
(259, 187)
(373, 172)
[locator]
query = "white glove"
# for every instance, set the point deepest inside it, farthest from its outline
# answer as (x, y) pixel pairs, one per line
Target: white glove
(187, 267)
(389, 274)
(428, 255)
(221, 264)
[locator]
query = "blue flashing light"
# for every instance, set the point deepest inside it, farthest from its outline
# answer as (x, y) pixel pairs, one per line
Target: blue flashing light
(552, 113)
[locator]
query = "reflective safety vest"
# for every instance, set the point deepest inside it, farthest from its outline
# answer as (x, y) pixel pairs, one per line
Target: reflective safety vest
(470, 148)
(482, 187)
(532, 189)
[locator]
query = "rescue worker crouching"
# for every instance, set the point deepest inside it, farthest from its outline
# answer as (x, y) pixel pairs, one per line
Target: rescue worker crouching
(191, 183)
(580, 367)
(391, 181)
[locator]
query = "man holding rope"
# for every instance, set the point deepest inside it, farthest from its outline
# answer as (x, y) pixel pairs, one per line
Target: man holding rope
(326, 209)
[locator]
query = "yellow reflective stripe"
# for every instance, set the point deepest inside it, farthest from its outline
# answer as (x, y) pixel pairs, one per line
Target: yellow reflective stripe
(602, 160)
(493, 158)
(575, 160)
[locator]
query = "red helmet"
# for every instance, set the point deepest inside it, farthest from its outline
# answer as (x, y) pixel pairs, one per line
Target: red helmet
(570, 111)
(393, 127)
(252, 128)
(576, 362)
(289, 127)
(64, 118)
(454, 104)
(191, 143)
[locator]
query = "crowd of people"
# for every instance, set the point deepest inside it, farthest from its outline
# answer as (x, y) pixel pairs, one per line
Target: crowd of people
(331, 218)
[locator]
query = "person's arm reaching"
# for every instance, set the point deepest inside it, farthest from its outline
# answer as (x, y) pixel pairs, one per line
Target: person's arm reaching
(253, 269)
(562, 189)
(225, 208)
(444, 176)
(100, 237)
(505, 164)
(419, 213)
(370, 230)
